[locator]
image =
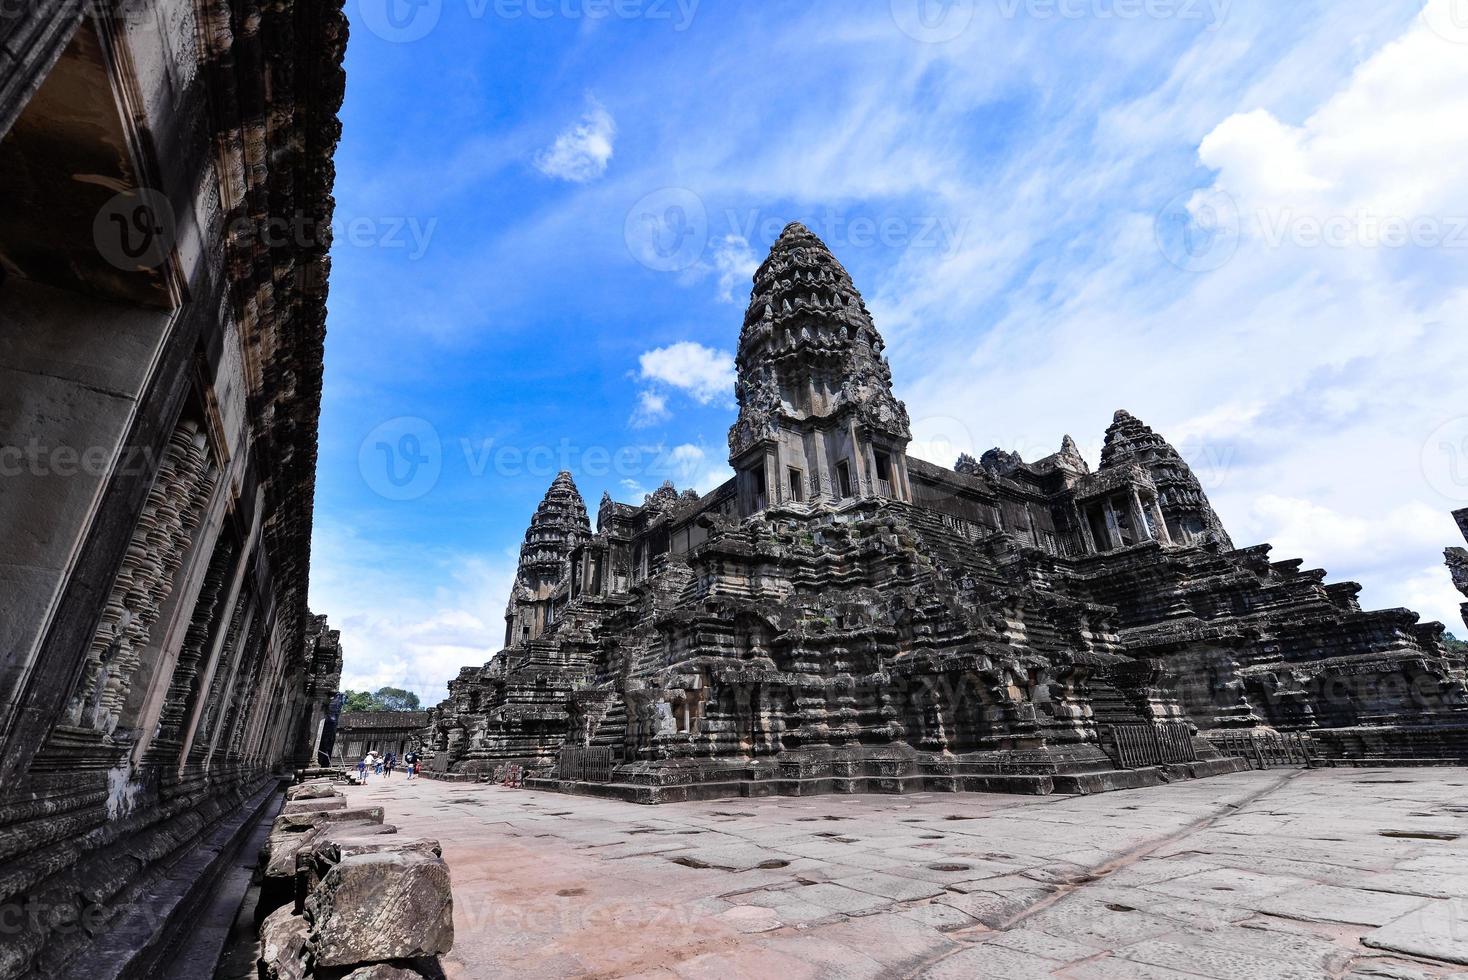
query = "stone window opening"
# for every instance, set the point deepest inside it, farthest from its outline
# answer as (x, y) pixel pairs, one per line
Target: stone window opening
(797, 485)
(843, 478)
(757, 482)
(884, 474)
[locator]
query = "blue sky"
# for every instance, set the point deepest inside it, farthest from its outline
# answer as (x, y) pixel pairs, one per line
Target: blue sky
(1245, 222)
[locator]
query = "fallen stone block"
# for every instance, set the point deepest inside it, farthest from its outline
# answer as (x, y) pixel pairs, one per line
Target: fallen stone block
(316, 790)
(427, 969)
(288, 823)
(381, 906)
(283, 946)
(320, 849)
(315, 805)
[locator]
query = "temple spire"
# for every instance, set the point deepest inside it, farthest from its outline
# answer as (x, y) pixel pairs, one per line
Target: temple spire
(808, 348)
(1179, 493)
(558, 527)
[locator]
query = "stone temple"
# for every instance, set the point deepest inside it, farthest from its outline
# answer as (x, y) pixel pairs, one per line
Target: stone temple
(843, 617)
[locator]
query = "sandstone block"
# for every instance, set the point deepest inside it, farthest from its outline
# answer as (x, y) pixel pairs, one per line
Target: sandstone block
(283, 946)
(381, 906)
(315, 805)
(315, 790)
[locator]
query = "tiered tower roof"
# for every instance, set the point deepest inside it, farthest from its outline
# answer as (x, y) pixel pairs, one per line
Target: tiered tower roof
(808, 347)
(1130, 442)
(560, 524)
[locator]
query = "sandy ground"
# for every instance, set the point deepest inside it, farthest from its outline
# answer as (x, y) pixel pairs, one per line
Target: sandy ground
(1355, 873)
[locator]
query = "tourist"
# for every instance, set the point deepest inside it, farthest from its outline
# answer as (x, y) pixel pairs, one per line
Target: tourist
(412, 760)
(362, 769)
(389, 762)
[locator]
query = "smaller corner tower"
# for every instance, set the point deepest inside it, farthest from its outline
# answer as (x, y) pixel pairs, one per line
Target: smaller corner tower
(1180, 497)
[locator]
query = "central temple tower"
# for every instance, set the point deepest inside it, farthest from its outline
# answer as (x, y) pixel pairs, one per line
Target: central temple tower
(817, 417)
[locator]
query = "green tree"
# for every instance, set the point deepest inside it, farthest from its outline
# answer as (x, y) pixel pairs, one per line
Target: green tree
(396, 699)
(359, 701)
(386, 699)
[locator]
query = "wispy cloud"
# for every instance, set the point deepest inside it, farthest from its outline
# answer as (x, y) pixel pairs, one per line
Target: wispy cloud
(582, 152)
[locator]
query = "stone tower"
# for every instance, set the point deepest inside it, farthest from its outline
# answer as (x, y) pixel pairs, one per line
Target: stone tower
(817, 417)
(1180, 496)
(559, 526)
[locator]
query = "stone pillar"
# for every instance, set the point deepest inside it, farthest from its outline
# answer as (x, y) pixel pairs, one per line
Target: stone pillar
(1113, 529)
(1163, 534)
(1139, 519)
(1088, 540)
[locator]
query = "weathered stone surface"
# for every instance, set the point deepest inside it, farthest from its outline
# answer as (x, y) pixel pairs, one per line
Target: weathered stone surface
(374, 906)
(1178, 881)
(319, 805)
(283, 946)
(159, 666)
(1437, 930)
(316, 789)
(392, 971)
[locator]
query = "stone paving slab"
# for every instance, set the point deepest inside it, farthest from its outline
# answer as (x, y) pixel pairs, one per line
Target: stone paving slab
(1352, 873)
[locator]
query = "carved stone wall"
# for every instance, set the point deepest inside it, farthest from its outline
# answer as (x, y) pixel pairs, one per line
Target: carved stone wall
(155, 676)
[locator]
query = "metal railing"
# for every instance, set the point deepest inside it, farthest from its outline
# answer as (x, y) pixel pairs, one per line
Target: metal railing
(1136, 746)
(1275, 750)
(586, 764)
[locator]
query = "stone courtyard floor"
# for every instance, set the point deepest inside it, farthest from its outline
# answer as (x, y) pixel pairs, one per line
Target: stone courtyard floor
(1359, 873)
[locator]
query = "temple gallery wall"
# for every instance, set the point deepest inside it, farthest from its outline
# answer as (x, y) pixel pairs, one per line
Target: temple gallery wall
(843, 617)
(160, 380)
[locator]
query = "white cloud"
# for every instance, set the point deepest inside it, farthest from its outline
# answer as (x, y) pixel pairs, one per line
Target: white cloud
(582, 152)
(704, 373)
(393, 635)
(1294, 372)
(692, 466)
(1390, 144)
(736, 263)
(652, 408)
